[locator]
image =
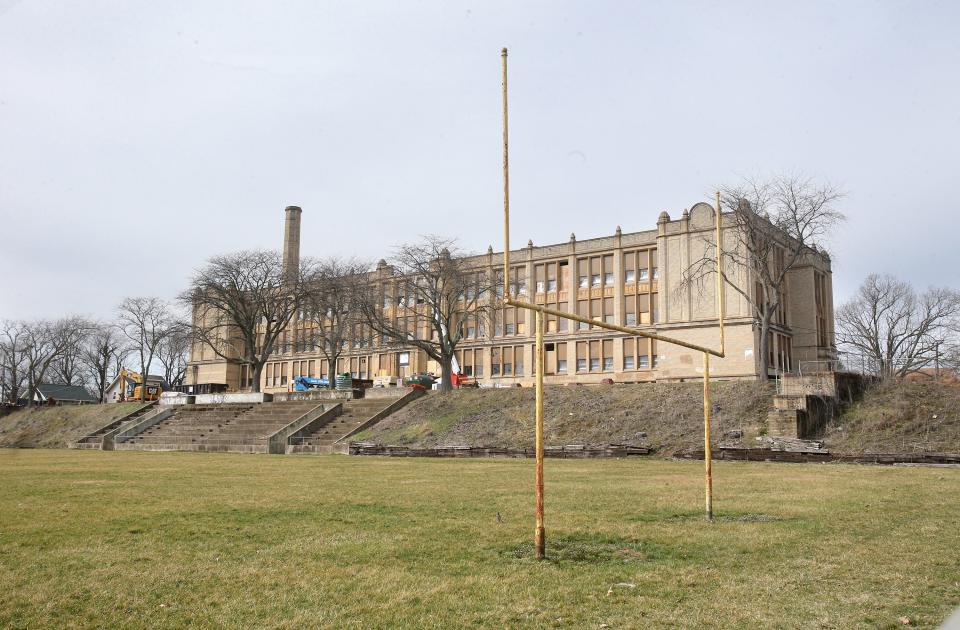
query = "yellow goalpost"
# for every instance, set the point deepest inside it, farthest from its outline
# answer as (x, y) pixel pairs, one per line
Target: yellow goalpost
(540, 311)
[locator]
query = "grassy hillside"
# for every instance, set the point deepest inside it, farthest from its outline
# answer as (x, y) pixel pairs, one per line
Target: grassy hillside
(900, 417)
(665, 415)
(56, 427)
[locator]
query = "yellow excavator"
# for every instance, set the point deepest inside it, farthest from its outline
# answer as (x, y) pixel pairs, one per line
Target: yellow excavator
(153, 391)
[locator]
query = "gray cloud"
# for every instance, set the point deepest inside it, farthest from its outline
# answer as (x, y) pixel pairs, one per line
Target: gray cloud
(159, 134)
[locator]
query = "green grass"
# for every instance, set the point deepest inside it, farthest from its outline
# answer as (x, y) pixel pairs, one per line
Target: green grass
(134, 539)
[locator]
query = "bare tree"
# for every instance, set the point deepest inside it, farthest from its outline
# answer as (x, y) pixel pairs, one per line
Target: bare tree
(13, 361)
(333, 310)
(146, 322)
(896, 330)
(173, 353)
(242, 303)
(67, 368)
(105, 345)
(435, 289)
(44, 343)
(777, 225)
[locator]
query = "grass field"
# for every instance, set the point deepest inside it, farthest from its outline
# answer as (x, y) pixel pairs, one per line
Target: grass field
(134, 539)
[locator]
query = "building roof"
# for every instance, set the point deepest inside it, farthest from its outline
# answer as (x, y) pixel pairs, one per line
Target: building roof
(55, 391)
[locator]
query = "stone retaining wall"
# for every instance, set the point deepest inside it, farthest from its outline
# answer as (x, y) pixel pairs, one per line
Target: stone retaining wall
(770, 455)
(572, 451)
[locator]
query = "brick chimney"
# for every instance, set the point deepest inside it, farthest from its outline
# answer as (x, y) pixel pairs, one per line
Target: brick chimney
(291, 241)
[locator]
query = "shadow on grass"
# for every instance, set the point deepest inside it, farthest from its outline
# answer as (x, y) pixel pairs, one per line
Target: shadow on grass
(586, 548)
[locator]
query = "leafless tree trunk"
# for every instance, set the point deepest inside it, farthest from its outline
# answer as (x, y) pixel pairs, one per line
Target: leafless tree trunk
(68, 367)
(104, 348)
(333, 311)
(13, 359)
(173, 353)
(896, 330)
(44, 343)
(777, 225)
(242, 303)
(146, 322)
(433, 287)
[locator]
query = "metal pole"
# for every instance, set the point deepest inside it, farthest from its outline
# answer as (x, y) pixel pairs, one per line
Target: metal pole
(538, 539)
(720, 285)
(707, 454)
(506, 185)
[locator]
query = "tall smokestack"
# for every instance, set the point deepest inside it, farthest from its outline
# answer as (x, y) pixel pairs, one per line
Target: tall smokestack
(291, 242)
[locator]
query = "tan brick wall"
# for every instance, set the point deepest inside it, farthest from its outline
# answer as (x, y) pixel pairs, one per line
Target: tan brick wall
(688, 315)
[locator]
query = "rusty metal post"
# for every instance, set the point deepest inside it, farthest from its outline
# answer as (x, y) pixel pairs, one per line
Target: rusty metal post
(538, 539)
(720, 279)
(707, 453)
(506, 186)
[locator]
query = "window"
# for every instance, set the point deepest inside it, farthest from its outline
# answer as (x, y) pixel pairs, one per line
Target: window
(510, 328)
(403, 358)
(644, 362)
(656, 273)
(581, 365)
(628, 362)
(608, 364)
(608, 278)
(539, 286)
(583, 282)
(551, 285)
(561, 366)
(631, 276)
(507, 369)
(644, 275)
(471, 332)
(631, 319)
(656, 360)
(594, 364)
(595, 280)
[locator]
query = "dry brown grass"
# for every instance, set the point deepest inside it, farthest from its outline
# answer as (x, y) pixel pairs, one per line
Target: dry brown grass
(919, 417)
(56, 427)
(668, 416)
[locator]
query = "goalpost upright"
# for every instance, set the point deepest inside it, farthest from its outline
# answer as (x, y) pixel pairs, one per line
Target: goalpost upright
(540, 311)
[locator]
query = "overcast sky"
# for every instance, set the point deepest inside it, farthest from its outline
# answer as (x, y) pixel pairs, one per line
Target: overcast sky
(151, 135)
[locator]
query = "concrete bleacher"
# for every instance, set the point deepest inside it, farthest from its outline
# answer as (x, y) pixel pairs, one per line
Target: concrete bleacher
(354, 413)
(242, 428)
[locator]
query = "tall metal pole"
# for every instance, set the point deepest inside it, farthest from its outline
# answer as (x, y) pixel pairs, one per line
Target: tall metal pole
(538, 539)
(720, 279)
(506, 185)
(707, 453)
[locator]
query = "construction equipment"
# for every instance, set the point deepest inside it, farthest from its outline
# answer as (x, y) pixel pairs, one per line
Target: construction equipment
(153, 391)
